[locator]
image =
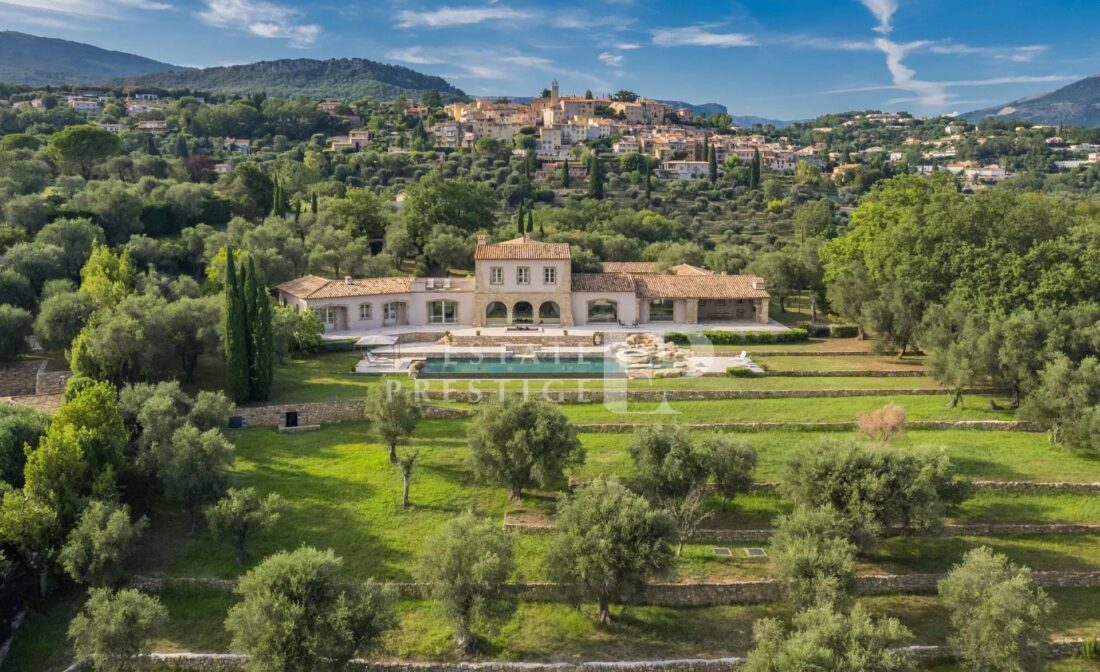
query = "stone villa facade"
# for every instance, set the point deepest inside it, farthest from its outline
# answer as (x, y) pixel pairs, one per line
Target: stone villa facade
(528, 282)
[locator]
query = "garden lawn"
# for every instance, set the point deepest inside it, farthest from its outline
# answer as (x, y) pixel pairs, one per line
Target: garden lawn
(538, 631)
(827, 409)
(825, 363)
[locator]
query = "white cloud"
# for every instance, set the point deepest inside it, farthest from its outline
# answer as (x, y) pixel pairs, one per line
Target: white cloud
(627, 46)
(98, 8)
(931, 94)
(413, 55)
(700, 36)
(613, 60)
(262, 19)
(1024, 54)
(884, 11)
(458, 16)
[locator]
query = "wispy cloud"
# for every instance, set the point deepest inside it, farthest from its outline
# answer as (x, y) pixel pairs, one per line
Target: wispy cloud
(884, 11)
(413, 55)
(700, 36)
(262, 19)
(99, 8)
(458, 16)
(627, 46)
(612, 60)
(1023, 54)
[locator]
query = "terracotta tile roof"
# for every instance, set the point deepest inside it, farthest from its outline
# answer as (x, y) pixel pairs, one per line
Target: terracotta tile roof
(688, 269)
(699, 287)
(524, 248)
(314, 287)
(630, 267)
(602, 282)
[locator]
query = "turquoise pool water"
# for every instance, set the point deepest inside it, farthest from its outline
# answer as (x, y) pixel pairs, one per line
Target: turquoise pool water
(521, 367)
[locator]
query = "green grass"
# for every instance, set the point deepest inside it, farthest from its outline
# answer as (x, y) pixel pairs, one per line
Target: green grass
(840, 363)
(828, 409)
(342, 493)
(991, 455)
(539, 631)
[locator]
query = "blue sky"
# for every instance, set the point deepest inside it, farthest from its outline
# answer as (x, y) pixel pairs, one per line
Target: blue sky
(776, 58)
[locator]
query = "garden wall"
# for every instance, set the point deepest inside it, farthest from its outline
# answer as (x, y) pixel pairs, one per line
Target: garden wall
(321, 412)
(985, 425)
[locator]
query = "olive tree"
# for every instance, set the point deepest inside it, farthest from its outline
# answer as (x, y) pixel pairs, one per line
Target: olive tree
(812, 557)
(1000, 619)
(297, 614)
(466, 566)
(99, 544)
(730, 462)
(822, 638)
(193, 467)
(523, 444)
(115, 628)
(609, 542)
(241, 515)
(393, 413)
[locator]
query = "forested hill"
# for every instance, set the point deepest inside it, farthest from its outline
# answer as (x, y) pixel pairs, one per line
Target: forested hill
(340, 78)
(1075, 105)
(40, 61)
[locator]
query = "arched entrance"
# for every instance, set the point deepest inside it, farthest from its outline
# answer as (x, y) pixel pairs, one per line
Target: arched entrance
(496, 313)
(549, 313)
(523, 313)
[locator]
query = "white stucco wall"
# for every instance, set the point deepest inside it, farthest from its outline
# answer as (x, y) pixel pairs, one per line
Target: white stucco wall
(509, 270)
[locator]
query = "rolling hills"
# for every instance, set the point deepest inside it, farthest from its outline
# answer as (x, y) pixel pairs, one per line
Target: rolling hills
(41, 61)
(1077, 104)
(341, 78)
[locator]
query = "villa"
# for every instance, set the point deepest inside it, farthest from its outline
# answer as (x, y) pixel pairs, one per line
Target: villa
(528, 282)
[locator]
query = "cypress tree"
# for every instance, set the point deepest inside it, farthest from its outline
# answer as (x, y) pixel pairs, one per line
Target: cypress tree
(236, 334)
(530, 221)
(313, 203)
(754, 170)
(565, 174)
(648, 180)
(519, 221)
(181, 146)
(595, 177)
(261, 354)
(150, 145)
(712, 164)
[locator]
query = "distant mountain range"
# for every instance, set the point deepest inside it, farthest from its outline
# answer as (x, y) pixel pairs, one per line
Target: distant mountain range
(1075, 105)
(341, 78)
(41, 61)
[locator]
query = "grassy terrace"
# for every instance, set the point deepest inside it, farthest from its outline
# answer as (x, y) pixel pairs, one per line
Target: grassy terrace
(342, 493)
(539, 632)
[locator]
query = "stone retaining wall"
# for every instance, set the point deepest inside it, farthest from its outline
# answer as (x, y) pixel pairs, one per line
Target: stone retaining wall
(843, 374)
(746, 591)
(321, 412)
(576, 341)
(986, 486)
(550, 390)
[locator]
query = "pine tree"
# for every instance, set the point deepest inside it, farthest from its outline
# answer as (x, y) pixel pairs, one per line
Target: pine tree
(519, 221)
(261, 354)
(236, 334)
(530, 221)
(565, 174)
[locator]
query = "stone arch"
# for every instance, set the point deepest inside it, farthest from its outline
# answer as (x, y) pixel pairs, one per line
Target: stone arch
(549, 313)
(496, 313)
(523, 312)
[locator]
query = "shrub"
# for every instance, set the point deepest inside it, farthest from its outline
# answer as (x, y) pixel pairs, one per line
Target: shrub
(741, 372)
(844, 330)
(738, 337)
(882, 425)
(115, 628)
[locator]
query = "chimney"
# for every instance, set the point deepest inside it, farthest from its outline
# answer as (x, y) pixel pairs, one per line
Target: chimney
(347, 279)
(483, 239)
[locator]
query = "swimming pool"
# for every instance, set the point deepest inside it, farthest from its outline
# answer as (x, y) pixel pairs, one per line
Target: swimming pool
(549, 366)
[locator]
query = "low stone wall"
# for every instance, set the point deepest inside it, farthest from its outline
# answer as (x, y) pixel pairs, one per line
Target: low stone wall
(551, 390)
(321, 412)
(419, 337)
(979, 425)
(745, 591)
(20, 379)
(1036, 486)
(576, 341)
(47, 403)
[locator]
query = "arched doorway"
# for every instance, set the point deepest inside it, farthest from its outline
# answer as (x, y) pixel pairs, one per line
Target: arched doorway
(549, 313)
(496, 313)
(603, 311)
(523, 313)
